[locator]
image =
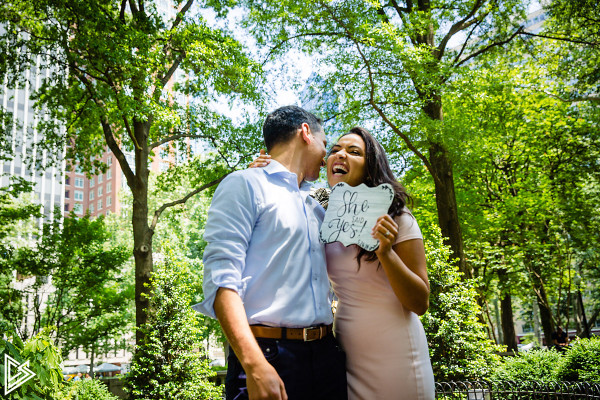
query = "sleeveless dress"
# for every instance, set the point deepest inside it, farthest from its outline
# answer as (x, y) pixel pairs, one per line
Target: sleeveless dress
(386, 348)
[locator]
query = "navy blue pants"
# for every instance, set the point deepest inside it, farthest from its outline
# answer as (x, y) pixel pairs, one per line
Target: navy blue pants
(309, 370)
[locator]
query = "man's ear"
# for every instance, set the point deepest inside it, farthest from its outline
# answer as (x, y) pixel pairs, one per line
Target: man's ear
(305, 132)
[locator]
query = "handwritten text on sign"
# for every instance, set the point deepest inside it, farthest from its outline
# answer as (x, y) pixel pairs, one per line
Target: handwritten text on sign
(353, 211)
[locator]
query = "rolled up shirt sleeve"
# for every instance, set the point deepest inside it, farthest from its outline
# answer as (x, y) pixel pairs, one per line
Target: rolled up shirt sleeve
(228, 230)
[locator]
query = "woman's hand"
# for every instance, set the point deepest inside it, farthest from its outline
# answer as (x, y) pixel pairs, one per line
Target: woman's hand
(262, 160)
(385, 230)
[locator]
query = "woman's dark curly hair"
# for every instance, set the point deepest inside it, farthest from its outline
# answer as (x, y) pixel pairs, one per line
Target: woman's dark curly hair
(378, 171)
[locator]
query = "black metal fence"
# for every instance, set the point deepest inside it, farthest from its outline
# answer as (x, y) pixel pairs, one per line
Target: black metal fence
(508, 390)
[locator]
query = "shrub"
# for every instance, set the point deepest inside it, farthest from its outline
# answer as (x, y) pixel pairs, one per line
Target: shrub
(44, 361)
(533, 365)
(170, 363)
(458, 344)
(581, 362)
(87, 389)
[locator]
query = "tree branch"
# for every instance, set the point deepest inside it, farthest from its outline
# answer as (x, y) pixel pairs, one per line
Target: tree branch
(108, 134)
(172, 70)
(162, 208)
(503, 42)
(562, 39)
(373, 103)
(177, 136)
(278, 45)
(460, 26)
(595, 98)
(181, 14)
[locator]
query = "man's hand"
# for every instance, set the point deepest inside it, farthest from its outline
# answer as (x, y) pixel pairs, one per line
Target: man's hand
(264, 383)
(262, 380)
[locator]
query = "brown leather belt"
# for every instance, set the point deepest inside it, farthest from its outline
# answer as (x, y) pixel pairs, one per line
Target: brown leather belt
(304, 334)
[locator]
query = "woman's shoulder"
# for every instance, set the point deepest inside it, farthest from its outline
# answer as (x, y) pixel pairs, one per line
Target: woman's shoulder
(408, 228)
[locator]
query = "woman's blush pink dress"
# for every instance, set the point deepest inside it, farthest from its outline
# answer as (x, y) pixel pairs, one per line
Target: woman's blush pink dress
(385, 344)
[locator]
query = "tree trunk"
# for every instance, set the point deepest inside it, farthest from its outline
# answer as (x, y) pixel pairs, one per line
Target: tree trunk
(585, 331)
(142, 235)
(542, 301)
(508, 325)
(445, 196)
(506, 313)
(92, 357)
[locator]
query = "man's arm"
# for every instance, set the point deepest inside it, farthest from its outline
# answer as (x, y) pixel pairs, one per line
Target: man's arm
(261, 378)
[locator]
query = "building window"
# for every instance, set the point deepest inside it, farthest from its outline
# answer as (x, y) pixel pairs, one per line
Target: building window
(78, 169)
(100, 191)
(68, 180)
(92, 182)
(79, 182)
(100, 178)
(78, 195)
(78, 208)
(67, 194)
(108, 201)
(109, 160)
(108, 187)
(91, 208)
(100, 204)
(109, 174)
(91, 194)
(66, 207)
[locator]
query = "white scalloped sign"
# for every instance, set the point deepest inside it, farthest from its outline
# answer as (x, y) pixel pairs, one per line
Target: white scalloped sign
(352, 213)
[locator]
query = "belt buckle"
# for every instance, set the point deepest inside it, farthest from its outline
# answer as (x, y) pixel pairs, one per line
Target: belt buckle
(305, 334)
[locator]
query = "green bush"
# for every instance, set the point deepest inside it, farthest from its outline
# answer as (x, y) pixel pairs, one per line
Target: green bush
(87, 389)
(533, 365)
(581, 361)
(458, 343)
(44, 361)
(171, 363)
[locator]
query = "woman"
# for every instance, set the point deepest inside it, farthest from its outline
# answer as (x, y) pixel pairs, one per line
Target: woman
(380, 293)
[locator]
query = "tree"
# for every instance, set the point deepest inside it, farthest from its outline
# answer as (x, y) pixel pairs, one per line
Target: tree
(172, 352)
(89, 304)
(112, 68)
(12, 212)
(392, 62)
(531, 158)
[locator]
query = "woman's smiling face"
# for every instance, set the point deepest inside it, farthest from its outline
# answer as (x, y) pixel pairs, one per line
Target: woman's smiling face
(346, 161)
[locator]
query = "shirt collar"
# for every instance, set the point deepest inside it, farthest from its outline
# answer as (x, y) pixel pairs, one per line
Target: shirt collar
(276, 168)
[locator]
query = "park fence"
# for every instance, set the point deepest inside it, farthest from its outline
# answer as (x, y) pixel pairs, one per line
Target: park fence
(525, 390)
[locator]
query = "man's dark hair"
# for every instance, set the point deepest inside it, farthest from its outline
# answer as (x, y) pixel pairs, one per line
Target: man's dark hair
(282, 124)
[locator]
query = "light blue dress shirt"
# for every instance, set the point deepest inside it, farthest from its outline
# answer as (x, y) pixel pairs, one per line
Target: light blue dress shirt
(263, 242)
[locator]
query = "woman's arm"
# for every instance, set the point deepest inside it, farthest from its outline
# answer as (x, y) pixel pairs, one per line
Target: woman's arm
(404, 264)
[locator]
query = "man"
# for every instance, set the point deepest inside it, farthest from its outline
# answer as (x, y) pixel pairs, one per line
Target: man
(265, 276)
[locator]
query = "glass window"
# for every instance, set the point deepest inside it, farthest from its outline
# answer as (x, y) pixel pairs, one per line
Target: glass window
(108, 187)
(79, 182)
(108, 201)
(100, 191)
(78, 195)
(92, 182)
(92, 195)
(100, 204)
(109, 174)
(68, 180)
(66, 207)
(78, 169)
(109, 160)
(67, 193)
(78, 208)
(91, 208)
(100, 178)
